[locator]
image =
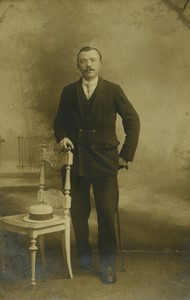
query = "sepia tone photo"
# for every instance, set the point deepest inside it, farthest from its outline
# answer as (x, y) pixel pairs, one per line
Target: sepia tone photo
(94, 150)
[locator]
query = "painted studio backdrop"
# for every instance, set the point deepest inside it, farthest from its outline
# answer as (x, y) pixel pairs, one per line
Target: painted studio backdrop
(145, 48)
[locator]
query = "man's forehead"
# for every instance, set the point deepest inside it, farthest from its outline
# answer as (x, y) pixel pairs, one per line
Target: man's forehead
(88, 54)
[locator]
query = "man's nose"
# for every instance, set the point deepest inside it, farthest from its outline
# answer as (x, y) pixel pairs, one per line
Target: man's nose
(88, 63)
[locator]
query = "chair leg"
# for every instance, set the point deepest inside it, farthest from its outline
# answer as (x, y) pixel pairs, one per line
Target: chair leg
(33, 250)
(42, 250)
(66, 250)
(3, 243)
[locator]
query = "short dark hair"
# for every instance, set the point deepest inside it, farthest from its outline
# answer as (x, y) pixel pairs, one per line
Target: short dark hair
(88, 49)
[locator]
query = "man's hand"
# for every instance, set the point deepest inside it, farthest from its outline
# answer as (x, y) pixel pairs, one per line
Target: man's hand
(122, 163)
(66, 144)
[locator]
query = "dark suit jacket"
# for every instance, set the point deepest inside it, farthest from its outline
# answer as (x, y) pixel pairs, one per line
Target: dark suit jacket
(94, 135)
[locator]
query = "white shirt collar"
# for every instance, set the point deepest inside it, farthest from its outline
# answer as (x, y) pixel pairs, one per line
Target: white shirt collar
(94, 82)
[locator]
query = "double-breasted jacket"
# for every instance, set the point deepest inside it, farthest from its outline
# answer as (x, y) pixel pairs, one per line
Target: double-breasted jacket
(94, 133)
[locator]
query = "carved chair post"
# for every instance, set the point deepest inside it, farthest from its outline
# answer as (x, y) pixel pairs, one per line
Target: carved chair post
(42, 176)
(67, 187)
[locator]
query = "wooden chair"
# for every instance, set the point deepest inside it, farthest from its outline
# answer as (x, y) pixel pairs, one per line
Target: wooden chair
(34, 230)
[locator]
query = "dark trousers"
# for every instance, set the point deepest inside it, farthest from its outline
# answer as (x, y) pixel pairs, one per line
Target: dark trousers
(106, 195)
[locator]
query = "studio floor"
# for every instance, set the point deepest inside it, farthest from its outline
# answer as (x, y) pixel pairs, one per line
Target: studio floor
(148, 276)
(155, 230)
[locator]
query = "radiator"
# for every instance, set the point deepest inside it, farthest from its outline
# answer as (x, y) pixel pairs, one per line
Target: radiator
(29, 148)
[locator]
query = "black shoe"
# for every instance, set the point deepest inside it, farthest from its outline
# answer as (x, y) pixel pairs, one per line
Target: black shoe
(86, 262)
(108, 275)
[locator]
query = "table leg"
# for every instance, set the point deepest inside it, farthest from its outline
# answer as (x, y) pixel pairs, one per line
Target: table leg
(33, 248)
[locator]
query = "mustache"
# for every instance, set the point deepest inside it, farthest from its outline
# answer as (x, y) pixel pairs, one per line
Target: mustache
(89, 69)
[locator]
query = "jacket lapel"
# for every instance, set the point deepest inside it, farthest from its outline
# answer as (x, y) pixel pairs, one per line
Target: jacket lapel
(75, 104)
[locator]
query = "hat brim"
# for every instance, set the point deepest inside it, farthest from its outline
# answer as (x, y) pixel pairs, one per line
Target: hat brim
(27, 219)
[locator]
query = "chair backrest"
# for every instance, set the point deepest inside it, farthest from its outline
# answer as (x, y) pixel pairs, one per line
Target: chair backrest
(57, 159)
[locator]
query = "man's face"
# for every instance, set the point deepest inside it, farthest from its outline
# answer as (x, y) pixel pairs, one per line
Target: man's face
(89, 64)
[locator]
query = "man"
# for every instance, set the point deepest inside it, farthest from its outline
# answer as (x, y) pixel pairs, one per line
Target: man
(85, 122)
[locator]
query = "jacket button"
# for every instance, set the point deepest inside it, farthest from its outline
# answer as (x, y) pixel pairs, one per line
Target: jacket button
(94, 130)
(93, 146)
